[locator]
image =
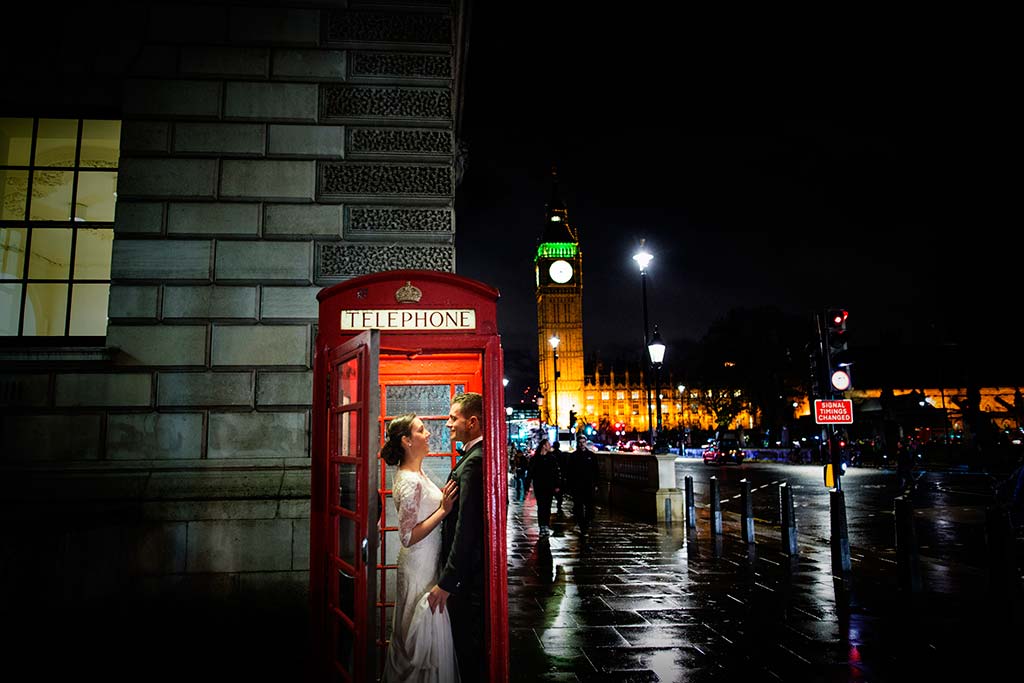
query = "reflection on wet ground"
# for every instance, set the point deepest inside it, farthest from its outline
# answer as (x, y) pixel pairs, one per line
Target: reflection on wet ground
(646, 602)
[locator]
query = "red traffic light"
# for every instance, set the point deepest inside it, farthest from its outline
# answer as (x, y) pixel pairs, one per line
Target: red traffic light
(839, 317)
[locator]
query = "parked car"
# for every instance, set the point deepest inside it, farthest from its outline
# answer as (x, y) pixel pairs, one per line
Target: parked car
(723, 452)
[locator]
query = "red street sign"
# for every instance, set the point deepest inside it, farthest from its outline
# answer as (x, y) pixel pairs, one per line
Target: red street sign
(833, 412)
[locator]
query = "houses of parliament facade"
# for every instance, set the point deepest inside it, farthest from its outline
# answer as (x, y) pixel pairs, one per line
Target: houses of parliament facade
(613, 399)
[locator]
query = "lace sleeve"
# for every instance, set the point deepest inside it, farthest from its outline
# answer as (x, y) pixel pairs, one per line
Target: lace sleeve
(408, 491)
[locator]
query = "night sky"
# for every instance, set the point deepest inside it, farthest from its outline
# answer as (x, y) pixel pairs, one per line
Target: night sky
(760, 173)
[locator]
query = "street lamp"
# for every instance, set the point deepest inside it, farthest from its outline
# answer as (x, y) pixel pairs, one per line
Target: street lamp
(656, 349)
(554, 341)
(682, 415)
(643, 258)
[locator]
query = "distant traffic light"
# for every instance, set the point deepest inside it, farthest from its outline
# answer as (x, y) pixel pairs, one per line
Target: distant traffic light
(572, 419)
(836, 321)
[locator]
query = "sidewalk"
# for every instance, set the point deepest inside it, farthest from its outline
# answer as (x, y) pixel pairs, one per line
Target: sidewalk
(640, 602)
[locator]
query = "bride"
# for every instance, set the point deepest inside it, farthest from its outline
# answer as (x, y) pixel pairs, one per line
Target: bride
(421, 646)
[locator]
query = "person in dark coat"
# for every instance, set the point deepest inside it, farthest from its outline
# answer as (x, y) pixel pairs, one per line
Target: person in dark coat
(521, 467)
(546, 478)
(563, 467)
(584, 486)
(460, 587)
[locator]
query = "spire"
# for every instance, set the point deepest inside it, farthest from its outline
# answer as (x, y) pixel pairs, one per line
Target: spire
(556, 225)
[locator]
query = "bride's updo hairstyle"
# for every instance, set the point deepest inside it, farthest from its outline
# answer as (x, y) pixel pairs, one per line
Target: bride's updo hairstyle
(392, 452)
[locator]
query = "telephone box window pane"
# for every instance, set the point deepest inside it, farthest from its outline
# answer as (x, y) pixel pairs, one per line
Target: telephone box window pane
(344, 644)
(393, 544)
(389, 480)
(422, 399)
(92, 254)
(56, 142)
(15, 142)
(440, 438)
(97, 192)
(347, 380)
(45, 309)
(347, 543)
(12, 253)
(10, 308)
(13, 193)
(89, 310)
(51, 195)
(459, 389)
(347, 485)
(348, 435)
(51, 254)
(101, 143)
(437, 468)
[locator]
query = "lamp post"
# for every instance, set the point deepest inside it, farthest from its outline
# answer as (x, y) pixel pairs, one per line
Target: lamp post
(554, 341)
(682, 417)
(656, 349)
(643, 258)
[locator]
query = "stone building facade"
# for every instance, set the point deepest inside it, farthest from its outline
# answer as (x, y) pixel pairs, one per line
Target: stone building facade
(266, 151)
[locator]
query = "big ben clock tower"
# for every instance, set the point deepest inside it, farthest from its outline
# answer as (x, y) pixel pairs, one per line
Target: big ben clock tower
(559, 278)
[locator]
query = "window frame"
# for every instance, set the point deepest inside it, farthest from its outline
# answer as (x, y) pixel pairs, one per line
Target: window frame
(31, 226)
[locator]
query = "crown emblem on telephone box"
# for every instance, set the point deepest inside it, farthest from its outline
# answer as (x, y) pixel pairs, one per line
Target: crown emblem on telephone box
(408, 294)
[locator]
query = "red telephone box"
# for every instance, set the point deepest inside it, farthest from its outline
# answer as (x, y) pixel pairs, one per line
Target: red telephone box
(388, 344)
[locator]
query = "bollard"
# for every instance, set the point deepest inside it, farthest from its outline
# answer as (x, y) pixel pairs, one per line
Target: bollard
(788, 519)
(668, 511)
(716, 508)
(906, 545)
(747, 517)
(691, 509)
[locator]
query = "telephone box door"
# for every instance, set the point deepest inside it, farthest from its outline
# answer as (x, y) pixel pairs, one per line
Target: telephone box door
(351, 508)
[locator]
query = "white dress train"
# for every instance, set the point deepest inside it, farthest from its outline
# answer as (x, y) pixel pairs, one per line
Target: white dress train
(421, 648)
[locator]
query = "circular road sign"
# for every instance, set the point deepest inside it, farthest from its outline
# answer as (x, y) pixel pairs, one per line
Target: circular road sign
(841, 380)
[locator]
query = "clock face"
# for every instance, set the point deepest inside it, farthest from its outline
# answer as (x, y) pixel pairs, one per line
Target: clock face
(560, 271)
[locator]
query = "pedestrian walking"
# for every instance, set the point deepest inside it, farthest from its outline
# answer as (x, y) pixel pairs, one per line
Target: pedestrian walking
(521, 465)
(563, 467)
(584, 482)
(546, 478)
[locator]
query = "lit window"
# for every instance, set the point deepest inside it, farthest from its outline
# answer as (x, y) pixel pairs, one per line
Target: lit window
(620, 395)
(58, 188)
(634, 395)
(605, 395)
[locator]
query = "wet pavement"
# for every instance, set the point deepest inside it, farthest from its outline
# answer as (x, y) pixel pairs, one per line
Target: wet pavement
(650, 602)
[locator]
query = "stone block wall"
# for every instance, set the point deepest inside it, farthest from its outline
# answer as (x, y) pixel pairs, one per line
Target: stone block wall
(267, 152)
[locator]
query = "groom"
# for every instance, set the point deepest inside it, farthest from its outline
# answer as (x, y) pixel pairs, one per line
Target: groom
(460, 586)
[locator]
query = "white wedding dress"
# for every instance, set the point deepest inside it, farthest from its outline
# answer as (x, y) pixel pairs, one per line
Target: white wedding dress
(421, 648)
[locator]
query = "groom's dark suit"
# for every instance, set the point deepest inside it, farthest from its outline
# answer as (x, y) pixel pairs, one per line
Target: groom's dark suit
(462, 572)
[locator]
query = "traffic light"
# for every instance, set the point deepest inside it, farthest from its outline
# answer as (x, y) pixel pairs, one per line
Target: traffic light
(837, 345)
(836, 325)
(572, 419)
